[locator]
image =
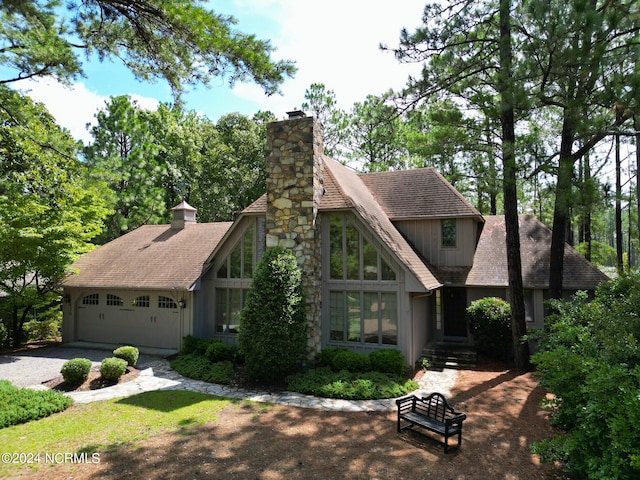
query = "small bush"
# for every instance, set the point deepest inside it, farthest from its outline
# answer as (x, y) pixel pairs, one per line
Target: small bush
(191, 344)
(387, 361)
(490, 323)
(326, 355)
(42, 329)
(113, 368)
(128, 353)
(199, 367)
(20, 405)
(350, 361)
(218, 351)
(76, 370)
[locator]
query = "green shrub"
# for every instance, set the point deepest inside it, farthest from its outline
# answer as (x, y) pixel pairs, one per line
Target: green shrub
(42, 329)
(589, 358)
(111, 369)
(489, 321)
(199, 367)
(218, 351)
(387, 361)
(324, 382)
(191, 344)
(20, 405)
(273, 332)
(76, 370)
(326, 355)
(128, 353)
(350, 361)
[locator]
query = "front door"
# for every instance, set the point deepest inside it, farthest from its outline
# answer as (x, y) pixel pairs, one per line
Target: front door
(454, 309)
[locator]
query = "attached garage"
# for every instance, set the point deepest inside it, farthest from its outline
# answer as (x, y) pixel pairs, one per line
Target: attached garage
(141, 289)
(146, 319)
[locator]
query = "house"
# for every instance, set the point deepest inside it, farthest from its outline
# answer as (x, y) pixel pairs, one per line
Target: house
(390, 260)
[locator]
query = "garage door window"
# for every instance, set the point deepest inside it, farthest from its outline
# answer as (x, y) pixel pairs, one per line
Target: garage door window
(114, 300)
(93, 299)
(166, 302)
(142, 301)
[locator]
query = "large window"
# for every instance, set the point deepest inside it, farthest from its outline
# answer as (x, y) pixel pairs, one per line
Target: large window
(363, 289)
(352, 256)
(241, 261)
(229, 303)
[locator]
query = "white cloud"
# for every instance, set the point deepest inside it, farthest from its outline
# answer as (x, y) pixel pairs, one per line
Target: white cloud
(335, 43)
(74, 106)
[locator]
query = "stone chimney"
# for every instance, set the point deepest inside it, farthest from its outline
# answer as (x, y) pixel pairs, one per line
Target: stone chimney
(183, 215)
(295, 179)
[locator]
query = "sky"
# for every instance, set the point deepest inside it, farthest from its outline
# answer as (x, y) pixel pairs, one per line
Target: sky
(333, 42)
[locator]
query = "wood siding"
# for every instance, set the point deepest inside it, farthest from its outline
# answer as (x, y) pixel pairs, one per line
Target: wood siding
(425, 236)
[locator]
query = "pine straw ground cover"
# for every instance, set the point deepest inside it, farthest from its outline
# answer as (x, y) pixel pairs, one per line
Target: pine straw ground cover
(254, 441)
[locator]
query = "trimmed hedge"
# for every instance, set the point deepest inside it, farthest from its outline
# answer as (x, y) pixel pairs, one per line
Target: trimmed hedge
(128, 353)
(113, 368)
(76, 370)
(387, 361)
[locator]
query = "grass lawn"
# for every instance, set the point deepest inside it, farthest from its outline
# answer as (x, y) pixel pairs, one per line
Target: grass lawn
(98, 426)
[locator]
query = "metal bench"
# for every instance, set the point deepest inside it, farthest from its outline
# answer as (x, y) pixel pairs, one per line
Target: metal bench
(431, 413)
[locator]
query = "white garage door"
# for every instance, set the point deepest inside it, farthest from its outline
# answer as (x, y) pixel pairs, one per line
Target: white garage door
(142, 320)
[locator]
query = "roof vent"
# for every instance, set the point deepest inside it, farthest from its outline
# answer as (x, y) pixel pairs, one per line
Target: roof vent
(296, 114)
(183, 214)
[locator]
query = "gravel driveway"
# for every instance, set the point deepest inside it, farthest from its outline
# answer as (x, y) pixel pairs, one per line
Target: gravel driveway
(32, 367)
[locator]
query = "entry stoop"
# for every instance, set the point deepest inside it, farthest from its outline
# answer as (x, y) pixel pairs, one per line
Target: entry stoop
(450, 355)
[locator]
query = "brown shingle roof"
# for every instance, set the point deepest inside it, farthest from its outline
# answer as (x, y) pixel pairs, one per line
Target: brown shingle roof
(150, 257)
(490, 260)
(418, 193)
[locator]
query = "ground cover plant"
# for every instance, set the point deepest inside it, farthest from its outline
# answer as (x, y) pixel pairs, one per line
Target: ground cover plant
(20, 405)
(99, 426)
(590, 359)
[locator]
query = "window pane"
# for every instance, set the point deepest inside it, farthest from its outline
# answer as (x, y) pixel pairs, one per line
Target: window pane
(448, 233)
(336, 316)
(371, 311)
(235, 307)
(222, 273)
(221, 310)
(235, 262)
(142, 301)
(353, 253)
(248, 253)
(335, 242)
(370, 257)
(166, 302)
(389, 318)
(353, 306)
(113, 300)
(91, 299)
(388, 273)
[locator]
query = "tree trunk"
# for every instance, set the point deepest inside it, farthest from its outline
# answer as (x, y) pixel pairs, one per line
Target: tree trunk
(514, 266)
(561, 206)
(636, 127)
(619, 247)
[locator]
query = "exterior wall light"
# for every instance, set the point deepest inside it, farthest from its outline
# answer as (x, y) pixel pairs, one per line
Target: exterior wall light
(182, 303)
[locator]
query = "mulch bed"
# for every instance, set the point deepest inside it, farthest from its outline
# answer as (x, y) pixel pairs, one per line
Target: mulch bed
(93, 382)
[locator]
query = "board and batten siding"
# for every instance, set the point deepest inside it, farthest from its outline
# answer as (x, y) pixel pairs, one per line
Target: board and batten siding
(425, 235)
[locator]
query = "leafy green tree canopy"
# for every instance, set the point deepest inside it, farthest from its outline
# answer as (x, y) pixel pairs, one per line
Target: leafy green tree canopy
(48, 210)
(179, 41)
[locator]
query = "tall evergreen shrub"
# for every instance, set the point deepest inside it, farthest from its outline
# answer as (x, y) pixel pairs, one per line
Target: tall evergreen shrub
(489, 321)
(272, 335)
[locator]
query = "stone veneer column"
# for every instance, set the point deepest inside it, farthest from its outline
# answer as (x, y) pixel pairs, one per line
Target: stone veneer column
(295, 177)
